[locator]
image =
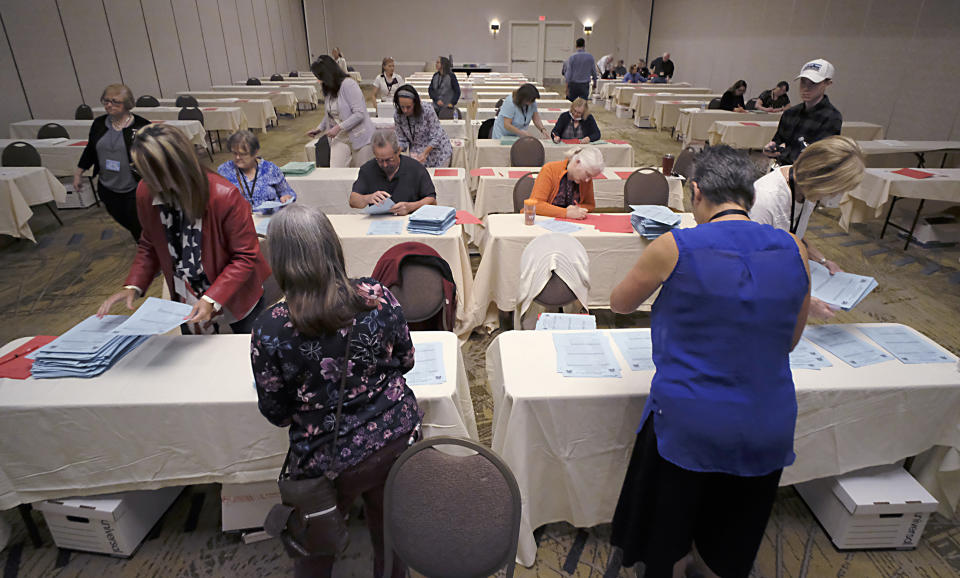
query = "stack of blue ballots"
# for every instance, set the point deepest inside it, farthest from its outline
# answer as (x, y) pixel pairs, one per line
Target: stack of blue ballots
(432, 220)
(651, 221)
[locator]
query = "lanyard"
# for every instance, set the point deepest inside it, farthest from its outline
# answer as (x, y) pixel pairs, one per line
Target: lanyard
(794, 223)
(730, 212)
(243, 183)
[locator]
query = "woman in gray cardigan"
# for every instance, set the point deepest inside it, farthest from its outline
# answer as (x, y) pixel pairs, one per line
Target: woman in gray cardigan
(345, 121)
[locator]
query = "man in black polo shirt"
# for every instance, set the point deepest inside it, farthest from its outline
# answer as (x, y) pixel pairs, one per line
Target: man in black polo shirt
(390, 175)
(662, 68)
(813, 119)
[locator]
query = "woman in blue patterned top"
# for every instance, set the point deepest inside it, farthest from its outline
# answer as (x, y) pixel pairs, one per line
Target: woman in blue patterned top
(717, 429)
(419, 131)
(257, 179)
(297, 351)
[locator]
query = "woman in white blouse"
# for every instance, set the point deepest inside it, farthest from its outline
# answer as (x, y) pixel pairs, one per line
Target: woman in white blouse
(386, 84)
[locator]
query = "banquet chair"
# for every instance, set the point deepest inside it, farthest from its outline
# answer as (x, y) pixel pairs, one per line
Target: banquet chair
(294, 74)
(646, 186)
(275, 77)
(254, 82)
(684, 165)
(83, 112)
(522, 189)
(527, 152)
(714, 104)
(452, 513)
(554, 273)
(486, 127)
(52, 130)
(420, 294)
(22, 154)
(186, 100)
(147, 100)
(194, 113)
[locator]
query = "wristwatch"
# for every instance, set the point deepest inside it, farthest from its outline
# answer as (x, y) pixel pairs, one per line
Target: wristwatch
(822, 261)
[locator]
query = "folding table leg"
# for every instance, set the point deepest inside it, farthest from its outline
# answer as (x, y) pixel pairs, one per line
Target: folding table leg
(53, 211)
(893, 201)
(27, 516)
(913, 226)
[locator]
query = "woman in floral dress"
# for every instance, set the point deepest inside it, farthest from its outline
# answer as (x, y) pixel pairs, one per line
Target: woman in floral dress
(297, 351)
(419, 131)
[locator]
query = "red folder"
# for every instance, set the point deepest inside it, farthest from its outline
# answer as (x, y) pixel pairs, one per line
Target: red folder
(624, 174)
(82, 143)
(15, 364)
(749, 123)
(599, 177)
(517, 174)
(617, 141)
(914, 173)
(444, 172)
(572, 141)
(482, 173)
(467, 218)
(605, 223)
(211, 108)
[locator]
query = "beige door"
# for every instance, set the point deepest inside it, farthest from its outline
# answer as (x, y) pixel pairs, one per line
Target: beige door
(557, 46)
(525, 44)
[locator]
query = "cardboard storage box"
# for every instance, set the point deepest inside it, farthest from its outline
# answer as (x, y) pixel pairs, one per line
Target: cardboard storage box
(77, 200)
(245, 506)
(624, 111)
(880, 507)
(113, 524)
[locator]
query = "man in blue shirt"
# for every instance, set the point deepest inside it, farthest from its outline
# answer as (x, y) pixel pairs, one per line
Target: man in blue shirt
(578, 70)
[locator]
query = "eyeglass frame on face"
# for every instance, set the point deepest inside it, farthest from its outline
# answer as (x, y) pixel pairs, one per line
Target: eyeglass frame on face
(388, 162)
(242, 155)
(105, 101)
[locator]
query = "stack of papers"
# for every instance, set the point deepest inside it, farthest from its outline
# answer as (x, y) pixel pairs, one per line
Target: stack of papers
(427, 365)
(271, 206)
(651, 221)
(558, 226)
(386, 227)
(565, 321)
(840, 291)
(261, 225)
(298, 168)
(806, 356)
(846, 346)
(585, 355)
(432, 220)
(95, 345)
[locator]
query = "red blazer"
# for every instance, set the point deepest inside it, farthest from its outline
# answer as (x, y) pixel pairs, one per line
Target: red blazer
(230, 253)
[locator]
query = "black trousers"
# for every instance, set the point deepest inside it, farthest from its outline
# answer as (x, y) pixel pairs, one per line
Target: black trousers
(122, 206)
(575, 89)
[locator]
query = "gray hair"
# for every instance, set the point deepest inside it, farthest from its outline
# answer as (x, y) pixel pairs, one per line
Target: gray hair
(245, 139)
(724, 174)
(385, 137)
(589, 157)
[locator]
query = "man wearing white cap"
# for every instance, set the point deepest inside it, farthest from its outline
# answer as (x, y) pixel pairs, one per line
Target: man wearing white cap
(813, 119)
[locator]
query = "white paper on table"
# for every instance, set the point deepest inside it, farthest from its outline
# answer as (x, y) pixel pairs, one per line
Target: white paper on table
(843, 290)
(636, 347)
(272, 205)
(585, 354)
(381, 209)
(904, 344)
(806, 356)
(428, 366)
(846, 346)
(559, 226)
(155, 316)
(566, 321)
(386, 227)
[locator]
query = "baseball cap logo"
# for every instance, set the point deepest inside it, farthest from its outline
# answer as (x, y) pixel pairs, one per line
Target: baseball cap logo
(812, 66)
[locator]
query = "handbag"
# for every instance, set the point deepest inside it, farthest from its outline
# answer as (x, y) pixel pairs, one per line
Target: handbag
(307, 520)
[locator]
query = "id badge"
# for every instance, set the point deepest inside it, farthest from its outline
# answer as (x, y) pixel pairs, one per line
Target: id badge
(113, 166)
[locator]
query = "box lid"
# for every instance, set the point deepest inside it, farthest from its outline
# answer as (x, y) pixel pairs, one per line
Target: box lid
(103, 507)
(882, 490)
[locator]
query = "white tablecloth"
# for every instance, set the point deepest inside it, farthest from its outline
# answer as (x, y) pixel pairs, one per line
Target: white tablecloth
(642, 102)
(475, 127)
(329, 189)
(569, 440)
(694, 123)
(225, 118)
(453, 128)
(305, 93)
(459, 158)
(542, 104)
(751, 134)
(80, 129)
(178, 410)
(258, 111)
(505, 237)
(59, 156)
(869, 200)
(284, 102)
(551, 113)
(490, 153)
(666, 112)
(488, 93)
(20, 188)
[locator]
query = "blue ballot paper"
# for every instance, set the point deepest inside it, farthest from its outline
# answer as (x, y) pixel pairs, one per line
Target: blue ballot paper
(852, 350)
(381, 209)
(86, 350)
(565, 321)
(636, 347)
(585, 354)
(841, 290)
(86, 338)
(261, 226)
(906, 345)
(556, 226)
(806, 356)
(270, 206)
(651, 221)
(153, 317)
(386, 227)
(428, 366)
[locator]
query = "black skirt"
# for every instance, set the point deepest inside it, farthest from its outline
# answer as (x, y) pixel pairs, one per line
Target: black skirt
(665, 509)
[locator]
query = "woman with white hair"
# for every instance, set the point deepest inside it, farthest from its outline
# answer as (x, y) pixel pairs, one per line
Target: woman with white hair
(565, 188)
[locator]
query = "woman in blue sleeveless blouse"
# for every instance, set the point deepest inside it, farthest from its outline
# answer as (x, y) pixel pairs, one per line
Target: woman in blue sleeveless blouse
(717, 429)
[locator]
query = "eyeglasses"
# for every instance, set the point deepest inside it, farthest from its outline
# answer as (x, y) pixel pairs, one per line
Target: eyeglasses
(387, 161)
(241, 155)
(113, 101)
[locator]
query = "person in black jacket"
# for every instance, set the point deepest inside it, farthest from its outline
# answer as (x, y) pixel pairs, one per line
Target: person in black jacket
(108, 152)
(444, 89)
(732, 99)
(577, 124)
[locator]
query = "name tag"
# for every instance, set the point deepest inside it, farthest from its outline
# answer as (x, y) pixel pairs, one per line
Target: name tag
(113, 166)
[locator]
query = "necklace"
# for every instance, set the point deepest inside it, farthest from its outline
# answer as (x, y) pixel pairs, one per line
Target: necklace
(730, 212)
(123, 123)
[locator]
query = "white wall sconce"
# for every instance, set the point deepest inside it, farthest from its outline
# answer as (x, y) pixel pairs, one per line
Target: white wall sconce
(494, 27)
(588, 28)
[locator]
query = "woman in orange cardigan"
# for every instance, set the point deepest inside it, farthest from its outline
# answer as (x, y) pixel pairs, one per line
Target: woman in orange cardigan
(565, 188)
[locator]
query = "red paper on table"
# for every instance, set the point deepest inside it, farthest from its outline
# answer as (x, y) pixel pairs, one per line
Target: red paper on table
(467, 218)
(617, 141)
(749, 123)
(554, 109)
(482, 173)
(599, 177)
(15, 364)
(211, 108)
(82, 143)
(571, 140)
(624, 174)
(517, 174)
(444, 172)
(605, 223)
(914, 173)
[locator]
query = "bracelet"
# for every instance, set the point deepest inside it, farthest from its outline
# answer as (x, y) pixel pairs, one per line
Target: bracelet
(822, 261)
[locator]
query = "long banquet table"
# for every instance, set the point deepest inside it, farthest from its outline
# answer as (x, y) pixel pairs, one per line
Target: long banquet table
(753, 134)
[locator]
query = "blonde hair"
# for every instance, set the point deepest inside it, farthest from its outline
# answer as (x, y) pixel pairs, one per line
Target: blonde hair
(577, 103)
(828, 167)
(170, 168)
(589, 158)
(123, 90)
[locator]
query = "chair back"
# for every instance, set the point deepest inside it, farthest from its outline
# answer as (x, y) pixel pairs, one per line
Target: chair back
(555, 293)
(751, 104)
(275, 77)
(186, 100)
(254, 82)
(527, 152)
(486, 127)
(83, 112)
(522, 189)
(420, 292)
(684, 164)
(714, 104)
(294, 74)
(20, 154)
(190, 113)
(147, 100)
(646, 186)
(447, 113)
(322, 152)
(52, 130)
(451, 513)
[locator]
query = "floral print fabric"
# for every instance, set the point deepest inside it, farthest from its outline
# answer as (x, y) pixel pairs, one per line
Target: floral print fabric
(298, 382)
(416, 133)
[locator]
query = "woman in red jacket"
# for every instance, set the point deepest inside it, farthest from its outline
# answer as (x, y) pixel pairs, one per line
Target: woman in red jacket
(198, 231)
